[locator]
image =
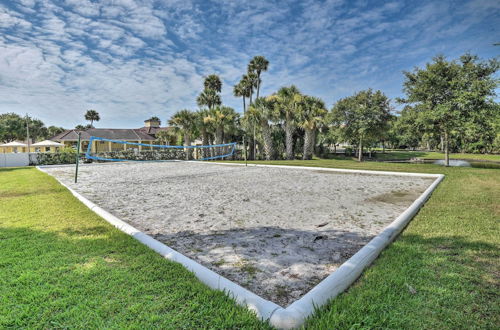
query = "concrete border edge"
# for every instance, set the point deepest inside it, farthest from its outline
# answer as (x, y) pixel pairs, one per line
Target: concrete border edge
(294, 315)
(262, 307)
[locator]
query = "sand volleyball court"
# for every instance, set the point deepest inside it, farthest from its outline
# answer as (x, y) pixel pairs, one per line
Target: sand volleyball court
(275, 231)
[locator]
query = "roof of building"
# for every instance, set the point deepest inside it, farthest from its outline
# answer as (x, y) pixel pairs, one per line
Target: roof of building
(47, 143)
(130, 134)
(14, 144)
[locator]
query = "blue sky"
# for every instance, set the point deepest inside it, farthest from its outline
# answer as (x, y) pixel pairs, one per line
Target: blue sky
(132, 59)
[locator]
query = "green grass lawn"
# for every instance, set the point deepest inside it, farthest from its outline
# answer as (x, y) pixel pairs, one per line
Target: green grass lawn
(442, 272)
(398, 154)
(63, 266)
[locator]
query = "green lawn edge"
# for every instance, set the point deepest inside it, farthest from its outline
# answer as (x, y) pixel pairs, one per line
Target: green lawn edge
(62, 266)
(398, 154)
(442, 272)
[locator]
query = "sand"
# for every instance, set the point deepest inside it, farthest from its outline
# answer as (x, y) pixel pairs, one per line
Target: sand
(277, 232)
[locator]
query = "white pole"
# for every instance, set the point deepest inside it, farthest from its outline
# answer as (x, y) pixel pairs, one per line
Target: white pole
(28, 136)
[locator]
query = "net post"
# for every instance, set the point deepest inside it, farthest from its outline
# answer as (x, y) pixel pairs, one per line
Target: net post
(77, 156)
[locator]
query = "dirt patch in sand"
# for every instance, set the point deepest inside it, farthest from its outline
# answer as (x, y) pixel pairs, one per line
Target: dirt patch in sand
(396, 197)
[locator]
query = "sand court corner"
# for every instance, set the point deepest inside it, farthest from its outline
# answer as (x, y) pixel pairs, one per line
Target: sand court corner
(275, 231)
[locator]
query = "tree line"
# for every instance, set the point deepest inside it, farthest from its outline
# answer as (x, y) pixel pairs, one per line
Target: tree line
(13, 127)
(448, 106)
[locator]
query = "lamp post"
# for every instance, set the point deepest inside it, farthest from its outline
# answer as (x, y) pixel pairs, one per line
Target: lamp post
(77, 156)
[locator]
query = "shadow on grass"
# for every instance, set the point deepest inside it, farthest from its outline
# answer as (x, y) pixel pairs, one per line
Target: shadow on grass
(97, 277)
(87, 231)
(10, 169)
(379, 155)
(398, 155)
(35, 191)
(50, 278)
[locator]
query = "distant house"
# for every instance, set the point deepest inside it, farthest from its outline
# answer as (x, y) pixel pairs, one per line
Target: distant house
(22, 147)
(146, 134)
(13, 147)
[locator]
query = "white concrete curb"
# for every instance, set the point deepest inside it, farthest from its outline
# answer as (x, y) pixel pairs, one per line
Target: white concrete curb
(294, 315)
(262, 307)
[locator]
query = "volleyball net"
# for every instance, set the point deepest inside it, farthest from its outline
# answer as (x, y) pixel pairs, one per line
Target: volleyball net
(101, 149)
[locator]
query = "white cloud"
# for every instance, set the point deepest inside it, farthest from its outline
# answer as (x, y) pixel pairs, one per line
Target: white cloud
(132, 59)
(9, 19)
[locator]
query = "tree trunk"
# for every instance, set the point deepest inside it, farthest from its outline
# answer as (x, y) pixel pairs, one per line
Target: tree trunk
(446, 151)
(268, 140)
(210, 142)
(254, 143)
(204, 141)
(383, 147)
(289, 140)
(251, 148)
(219, 134)
(360, 150)
(187, 142)
(244, 106)
(308, 144)
(258, 85)
(316, 148)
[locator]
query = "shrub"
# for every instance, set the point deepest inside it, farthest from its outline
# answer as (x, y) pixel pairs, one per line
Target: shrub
(63, 156)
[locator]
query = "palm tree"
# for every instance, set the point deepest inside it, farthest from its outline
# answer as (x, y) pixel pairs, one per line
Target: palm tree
(92, 115)
(168, 137)
(185, 120)
(288, 101)
(258, 64)
(312, 114)
(250, 81)
(262, 111)
(221, 117)
(204, 128)
(240, 91)
(232, 129)
(209, 98)
(213, 82)
(210, 95)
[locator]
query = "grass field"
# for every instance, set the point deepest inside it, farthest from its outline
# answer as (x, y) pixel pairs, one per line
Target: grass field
(397, 154)
(63, 266)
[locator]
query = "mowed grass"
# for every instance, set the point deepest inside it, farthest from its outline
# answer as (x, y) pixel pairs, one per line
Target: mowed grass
(63, 266)
(397, 154)
(442, 272)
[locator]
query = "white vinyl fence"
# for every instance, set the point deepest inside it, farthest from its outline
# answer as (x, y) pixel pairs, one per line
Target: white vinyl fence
(13, 160)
